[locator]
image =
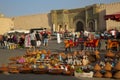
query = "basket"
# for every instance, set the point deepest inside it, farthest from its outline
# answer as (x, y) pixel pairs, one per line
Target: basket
(55, 71)
(67, 73)
(40, 70)
(3, 68)
(13, 69)
(90, 74)
(25, 70)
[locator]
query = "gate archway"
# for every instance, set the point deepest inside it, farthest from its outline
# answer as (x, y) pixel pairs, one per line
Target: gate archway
(79, 26)
(92, 26)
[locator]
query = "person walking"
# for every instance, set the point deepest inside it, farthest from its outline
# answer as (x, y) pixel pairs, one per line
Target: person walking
(38, 39)
(58, 38)
(45, 38)
(33, 40)
(27, 41)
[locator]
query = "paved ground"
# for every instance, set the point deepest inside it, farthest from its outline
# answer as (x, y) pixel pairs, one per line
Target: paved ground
(55, 48)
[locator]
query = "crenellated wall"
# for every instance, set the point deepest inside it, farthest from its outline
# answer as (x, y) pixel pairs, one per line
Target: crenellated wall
(112, 8)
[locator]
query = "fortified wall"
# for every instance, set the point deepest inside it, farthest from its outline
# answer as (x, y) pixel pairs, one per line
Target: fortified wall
(32, 21)
(90, 18)
(6, 24)
(106, 9)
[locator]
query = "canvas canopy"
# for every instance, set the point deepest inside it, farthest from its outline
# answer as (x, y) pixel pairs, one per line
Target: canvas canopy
(115, 16)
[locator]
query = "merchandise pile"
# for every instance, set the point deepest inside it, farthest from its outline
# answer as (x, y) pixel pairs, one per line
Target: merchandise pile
(79, 63)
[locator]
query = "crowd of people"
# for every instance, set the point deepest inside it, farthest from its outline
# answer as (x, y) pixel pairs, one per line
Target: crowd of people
(32, 40)
(91, 40)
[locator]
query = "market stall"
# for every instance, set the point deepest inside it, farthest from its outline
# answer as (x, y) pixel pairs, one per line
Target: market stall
(115, 16)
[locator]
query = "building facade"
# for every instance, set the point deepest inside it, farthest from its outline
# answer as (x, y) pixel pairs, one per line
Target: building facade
(89, 18)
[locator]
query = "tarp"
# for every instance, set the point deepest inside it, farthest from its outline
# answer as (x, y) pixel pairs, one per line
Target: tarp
(115, 16)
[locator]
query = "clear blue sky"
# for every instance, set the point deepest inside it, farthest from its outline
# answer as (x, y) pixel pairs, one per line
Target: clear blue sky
(12, 8)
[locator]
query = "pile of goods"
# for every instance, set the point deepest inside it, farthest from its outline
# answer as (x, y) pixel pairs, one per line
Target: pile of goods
(3, 68)
(78, 63)
(39, 62)
(109, 68)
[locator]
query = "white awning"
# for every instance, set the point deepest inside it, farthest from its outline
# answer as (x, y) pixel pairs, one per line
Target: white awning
(19, 31)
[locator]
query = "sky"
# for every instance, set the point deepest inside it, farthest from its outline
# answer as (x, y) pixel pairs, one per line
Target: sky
(12, 8)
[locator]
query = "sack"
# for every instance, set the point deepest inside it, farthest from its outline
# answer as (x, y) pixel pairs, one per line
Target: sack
(38, 43)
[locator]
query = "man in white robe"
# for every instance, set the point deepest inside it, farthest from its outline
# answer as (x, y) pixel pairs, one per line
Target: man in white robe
(58, 38)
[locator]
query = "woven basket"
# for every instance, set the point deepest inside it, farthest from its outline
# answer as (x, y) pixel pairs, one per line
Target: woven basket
(55, 71)
(25, 70)
(68, 73)
(40, 70)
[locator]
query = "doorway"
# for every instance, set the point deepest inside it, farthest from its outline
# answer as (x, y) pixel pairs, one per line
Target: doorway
(91, 27)
(79, 26)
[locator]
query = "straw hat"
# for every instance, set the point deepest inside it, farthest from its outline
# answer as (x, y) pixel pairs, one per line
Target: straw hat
(97, 52)
(48, 52)
(108, 74)
(75, 53)
(110, 54)
(117, 66)
(44, 51)
(108, 66)
(117, 75)
(63, 55)
(98, 74)
(97, 67)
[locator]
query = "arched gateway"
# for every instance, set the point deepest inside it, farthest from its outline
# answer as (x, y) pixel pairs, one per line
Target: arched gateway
(79, 26)
(91, 26)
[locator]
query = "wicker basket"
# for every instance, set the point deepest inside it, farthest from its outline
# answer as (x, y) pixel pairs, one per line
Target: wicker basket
(68, 73)
(55, 71)
(90, 75)
(40, 70)
(4, 68)
(13, 69)
(25, 70)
